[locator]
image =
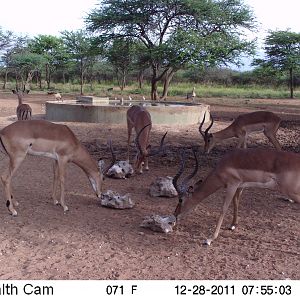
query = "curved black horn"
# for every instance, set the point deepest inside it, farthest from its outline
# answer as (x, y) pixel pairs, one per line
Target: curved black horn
(151, 153)
(154, 152)
(138, 136)
(179, 173)
(188, 178)
(211, 124)
(201, 124)
(113, 159)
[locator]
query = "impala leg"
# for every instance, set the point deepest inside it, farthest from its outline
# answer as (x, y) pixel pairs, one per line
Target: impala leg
(146, 161)
(129, 131)
(61, 175)
(242, 140)
(138, 164)
(55, 181)
(272, 138)
(294, 197)
(14, 163)
(228, 198)
(146, 164)
(236, 199)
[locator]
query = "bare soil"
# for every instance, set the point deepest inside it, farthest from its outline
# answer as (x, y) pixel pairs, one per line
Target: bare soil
(93, 242)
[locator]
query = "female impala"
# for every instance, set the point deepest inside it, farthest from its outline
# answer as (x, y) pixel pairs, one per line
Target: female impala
(140, 119)
(43, 138)
(264, 121)
(261, 168)
(23, 111)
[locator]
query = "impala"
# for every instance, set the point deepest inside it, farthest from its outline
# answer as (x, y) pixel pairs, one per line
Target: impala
(43, 138)
(146, 151)
(242, 168)
(259, 121)
(137, 118)
(23, 111)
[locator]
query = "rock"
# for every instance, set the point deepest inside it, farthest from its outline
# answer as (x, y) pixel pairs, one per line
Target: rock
(163, 187)
(159, 223)
(114, 200)
(122, 169)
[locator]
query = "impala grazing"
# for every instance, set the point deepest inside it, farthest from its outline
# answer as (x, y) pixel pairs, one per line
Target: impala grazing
(242, 168)
(241, 127)
(43, 138)
(140, 119)
(145, 152)
(23, 111)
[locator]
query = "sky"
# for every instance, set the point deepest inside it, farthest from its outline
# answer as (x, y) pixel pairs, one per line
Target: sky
(33, 17)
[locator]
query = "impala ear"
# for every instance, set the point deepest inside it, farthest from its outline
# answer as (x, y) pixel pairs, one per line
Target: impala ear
(190, 189)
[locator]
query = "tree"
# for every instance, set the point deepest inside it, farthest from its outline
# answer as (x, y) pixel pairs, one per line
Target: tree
(52, 49)
(80, 47)
(25, 64)
(6, 38)
(282, 49)
(121, 56)
(6, 41)
(9, 59)
(175, 32)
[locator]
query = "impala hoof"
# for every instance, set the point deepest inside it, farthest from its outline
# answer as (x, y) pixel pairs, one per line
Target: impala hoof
(232, 227)
(66, 209)
(14, 213)
(207, 242)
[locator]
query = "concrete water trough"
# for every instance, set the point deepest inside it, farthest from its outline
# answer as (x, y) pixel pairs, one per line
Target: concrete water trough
(103, 110)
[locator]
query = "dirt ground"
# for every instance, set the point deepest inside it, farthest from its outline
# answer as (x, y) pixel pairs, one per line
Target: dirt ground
(93, 242)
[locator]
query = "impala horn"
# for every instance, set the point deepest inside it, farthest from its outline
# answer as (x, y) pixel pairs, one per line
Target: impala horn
(182, 189)
(205, 133)
(113, 159)
(152, 152)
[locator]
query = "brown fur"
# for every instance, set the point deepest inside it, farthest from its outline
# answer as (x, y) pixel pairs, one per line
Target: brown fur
(39, 137)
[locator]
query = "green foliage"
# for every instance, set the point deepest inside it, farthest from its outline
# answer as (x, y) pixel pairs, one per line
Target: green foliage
(5, 39)
(282, 50)
(175, 33)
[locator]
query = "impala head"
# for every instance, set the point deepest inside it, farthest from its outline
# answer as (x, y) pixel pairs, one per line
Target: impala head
(20, 92)
(208, 137)
(145, 151)
(184, 190)
(97, 181)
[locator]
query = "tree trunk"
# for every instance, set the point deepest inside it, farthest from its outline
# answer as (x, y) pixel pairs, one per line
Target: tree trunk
(154, 83)
(47, 76)
(154, 92)
(167, 81)
(28, 80)
(123, 80)
(291, 83)
(40, 80)
(81, 77)
(5, 79)
(141, 78)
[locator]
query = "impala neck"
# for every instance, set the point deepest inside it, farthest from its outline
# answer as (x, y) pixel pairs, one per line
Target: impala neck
(84, 160)
(224, 134)
(201, 191)
(20, 99)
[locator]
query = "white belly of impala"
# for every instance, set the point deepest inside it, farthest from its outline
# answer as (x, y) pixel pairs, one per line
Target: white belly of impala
(257, 178)
(46, 154)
